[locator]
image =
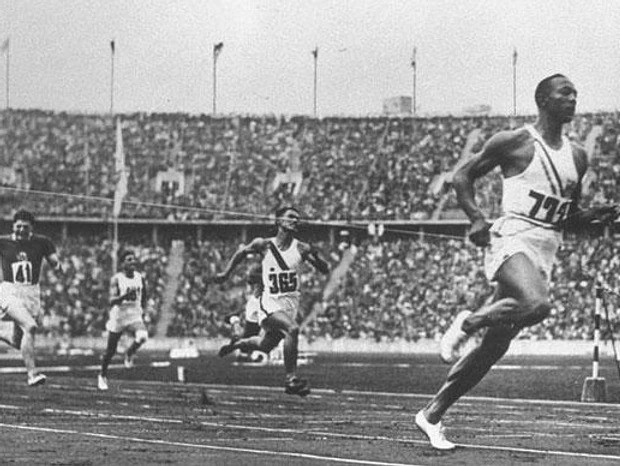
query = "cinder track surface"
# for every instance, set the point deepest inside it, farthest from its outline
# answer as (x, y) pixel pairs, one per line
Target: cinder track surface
(360, 412)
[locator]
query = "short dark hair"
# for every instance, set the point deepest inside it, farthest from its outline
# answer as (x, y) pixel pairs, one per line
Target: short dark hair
(24, 215)
(280, 211)
(123, 254)
(544, 89)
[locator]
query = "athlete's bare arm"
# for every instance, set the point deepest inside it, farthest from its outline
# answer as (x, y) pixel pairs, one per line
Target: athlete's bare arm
(115, 297)
(143, 299)
(257, 245)
(509, 150)
(53, 260)
(310, 254)
(579, 218)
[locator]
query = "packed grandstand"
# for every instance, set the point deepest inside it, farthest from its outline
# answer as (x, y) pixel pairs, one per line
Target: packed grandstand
(343, 173)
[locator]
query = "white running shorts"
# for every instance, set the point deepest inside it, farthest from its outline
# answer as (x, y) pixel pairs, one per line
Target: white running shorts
(510, 236)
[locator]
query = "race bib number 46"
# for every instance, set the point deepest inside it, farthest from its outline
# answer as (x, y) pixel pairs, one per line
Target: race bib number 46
(548, 209)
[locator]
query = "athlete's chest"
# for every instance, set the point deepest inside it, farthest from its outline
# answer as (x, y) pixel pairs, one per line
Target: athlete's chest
(14, 251)
(538, 165)
(276, 258)
(133, 283)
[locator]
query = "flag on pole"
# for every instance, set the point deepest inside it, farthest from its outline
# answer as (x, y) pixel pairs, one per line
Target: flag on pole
(514, 57)
(5, 45)
(120, 169)
(119, 154)
(112, 47)
(315, 52)
(413, 57)
(217, 49)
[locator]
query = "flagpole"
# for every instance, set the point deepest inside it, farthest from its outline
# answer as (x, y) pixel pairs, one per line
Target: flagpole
(514, 82)
(414, 66)
(112, 47)
(8, 57)
(214, 83)
(120, 190)
(217, 48)
(315, 53)
(114, 217)
(115, 225)
(114, 244)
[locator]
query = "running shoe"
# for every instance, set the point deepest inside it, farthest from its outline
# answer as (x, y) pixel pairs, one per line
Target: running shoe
(434, 433)
(37, 379)
(102, 382)
(297, 386)
(129, 360)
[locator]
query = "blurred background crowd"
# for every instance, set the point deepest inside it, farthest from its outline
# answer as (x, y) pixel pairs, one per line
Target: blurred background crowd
(335, 169)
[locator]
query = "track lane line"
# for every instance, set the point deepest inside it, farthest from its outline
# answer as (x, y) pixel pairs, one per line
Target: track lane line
(329, 391)
(328, 434)
(284, 454)
(91, 367)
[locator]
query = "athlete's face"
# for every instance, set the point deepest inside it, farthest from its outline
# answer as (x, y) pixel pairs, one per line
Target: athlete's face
(129, 263)
(562, 99)
(289, 221)
(22, 229)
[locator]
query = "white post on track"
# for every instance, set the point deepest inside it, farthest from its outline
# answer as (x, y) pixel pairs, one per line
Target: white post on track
(594, 388)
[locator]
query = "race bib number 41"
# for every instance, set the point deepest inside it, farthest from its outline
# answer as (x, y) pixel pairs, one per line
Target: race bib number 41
(22, 272)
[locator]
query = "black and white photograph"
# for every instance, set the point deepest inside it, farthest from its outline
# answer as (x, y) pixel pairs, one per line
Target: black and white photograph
(274, 233)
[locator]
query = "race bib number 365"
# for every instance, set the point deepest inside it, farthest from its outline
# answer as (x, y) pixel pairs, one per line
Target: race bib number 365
(282, 282)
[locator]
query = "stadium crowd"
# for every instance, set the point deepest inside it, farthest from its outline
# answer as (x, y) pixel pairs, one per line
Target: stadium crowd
(200, 306)
(77, 303)
(408, 288)
(336, 168)
(386, 295)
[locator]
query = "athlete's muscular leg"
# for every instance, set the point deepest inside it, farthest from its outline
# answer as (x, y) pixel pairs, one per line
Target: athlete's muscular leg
(24, 336)
(526, 297)
(265, 341)
(277, 326)
(521, 300)
(140, 336)
(251, 329)
(287, 325)
(249, 338)
(469, 370)
(113, 338)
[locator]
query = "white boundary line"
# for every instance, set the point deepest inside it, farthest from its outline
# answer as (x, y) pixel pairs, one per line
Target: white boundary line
(329, 391)
(498, 367)
(207, 447)
(323, 391)
(92, 367)
(315, 433)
